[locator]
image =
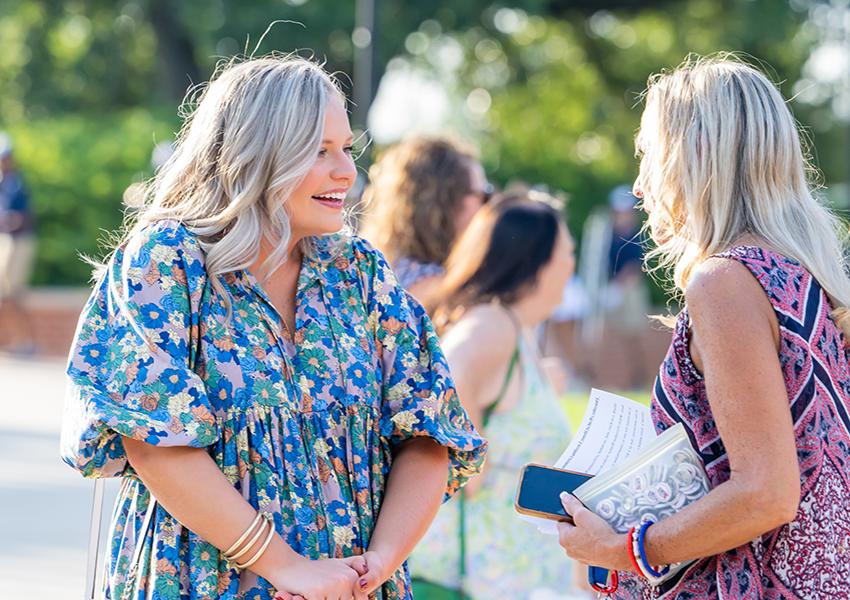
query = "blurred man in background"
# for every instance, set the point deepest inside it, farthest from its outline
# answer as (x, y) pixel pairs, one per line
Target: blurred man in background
(611, 268)
(17, 252)
(626, 298)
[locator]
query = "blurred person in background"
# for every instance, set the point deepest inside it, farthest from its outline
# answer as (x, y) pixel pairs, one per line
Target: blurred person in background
(626, 297)
(504, 277)
(279, 409)
(757, 370)
(613, 333)
(625, 258)
(422, 194)
(17, 253)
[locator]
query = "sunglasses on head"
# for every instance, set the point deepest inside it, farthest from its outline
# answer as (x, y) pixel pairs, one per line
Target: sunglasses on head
(485, 193)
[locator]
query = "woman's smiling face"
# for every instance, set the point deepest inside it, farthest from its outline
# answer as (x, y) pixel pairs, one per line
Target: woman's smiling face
(315, 206)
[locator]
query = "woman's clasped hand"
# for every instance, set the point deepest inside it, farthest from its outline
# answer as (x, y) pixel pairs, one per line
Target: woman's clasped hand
(329, 578)
(332, 579)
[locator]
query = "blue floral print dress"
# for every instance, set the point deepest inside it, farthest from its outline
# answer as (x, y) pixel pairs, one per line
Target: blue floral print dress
(410, 271)
(304, 428)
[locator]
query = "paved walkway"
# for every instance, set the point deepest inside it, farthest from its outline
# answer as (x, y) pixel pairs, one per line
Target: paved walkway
(44, 504)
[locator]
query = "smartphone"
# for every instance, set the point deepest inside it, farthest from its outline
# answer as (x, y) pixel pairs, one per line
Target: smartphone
(539, 491)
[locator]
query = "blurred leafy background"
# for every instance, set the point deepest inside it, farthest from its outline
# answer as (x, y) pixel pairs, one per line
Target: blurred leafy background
(548, 89)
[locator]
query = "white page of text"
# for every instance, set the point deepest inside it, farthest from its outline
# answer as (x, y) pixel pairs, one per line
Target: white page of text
(613, 429)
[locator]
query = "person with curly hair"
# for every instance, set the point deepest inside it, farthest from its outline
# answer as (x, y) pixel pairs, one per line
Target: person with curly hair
(423, 193)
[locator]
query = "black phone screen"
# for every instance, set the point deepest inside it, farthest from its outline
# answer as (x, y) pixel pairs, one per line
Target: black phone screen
(541, 489)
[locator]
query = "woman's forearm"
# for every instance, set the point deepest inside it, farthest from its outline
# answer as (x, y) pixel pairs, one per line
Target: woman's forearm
(731, 515)
(188, 483)
(415, 488)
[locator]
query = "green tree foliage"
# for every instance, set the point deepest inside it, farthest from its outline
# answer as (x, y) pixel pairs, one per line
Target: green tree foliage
(547, 87)
(94, 55)
(556, 99)
(87, 87)
(77, 168)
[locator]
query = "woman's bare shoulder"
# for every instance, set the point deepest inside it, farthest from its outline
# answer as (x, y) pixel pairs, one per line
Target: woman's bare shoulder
(488, 326)
(479, 348)
(724, 282)
(726, 301)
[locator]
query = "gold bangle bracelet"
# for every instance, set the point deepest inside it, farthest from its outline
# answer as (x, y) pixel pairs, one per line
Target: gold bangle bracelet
(227, 553)
(250, 543)
(265, 545)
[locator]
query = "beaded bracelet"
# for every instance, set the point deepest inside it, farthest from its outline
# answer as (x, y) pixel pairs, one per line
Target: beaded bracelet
(634, 554)
(630, 542)
(641, 548)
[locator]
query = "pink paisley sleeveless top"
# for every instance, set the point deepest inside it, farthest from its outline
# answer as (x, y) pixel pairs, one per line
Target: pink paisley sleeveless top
(808, 558)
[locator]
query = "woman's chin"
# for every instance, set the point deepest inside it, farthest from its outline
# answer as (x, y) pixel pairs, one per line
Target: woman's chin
(316, 229)
(327, 228)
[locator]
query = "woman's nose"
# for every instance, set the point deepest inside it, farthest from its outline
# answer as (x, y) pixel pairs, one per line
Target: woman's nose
(345, 169)
(637, 190)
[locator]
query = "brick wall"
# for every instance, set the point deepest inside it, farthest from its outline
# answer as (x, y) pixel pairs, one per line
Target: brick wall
(52, 313)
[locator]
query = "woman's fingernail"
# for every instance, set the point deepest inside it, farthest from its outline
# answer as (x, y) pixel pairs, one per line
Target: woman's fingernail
(564, 495)
(363, 583)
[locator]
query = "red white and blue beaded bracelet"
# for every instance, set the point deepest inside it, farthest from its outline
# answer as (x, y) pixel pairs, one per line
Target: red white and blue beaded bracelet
(637, 554)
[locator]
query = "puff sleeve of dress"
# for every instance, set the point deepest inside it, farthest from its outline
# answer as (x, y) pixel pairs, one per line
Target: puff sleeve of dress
(130, 366)
(418, 395)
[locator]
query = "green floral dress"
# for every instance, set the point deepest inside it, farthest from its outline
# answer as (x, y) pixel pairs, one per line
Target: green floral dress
(506, 556)
(304, 428)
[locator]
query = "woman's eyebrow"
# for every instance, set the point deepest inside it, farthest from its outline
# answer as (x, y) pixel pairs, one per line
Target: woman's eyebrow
(348, 140)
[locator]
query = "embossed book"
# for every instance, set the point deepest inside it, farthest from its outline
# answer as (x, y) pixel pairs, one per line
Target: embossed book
(637, 474)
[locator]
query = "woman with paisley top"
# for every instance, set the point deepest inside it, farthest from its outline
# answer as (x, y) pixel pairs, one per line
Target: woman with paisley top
(241, 355)
(758, 371)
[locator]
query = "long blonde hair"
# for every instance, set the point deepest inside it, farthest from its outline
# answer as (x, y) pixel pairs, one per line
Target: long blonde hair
(253, 136)
(722, 160)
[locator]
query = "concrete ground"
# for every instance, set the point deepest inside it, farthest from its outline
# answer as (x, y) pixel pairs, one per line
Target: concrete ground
(44, 505)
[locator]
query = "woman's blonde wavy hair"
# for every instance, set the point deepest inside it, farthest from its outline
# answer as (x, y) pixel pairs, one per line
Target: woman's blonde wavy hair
(253, 136)
(723, 159)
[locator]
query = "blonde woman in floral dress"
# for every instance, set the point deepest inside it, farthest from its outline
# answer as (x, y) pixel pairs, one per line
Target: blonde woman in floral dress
(242, 361)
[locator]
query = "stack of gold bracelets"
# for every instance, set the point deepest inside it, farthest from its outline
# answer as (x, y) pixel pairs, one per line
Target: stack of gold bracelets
(240, 546)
